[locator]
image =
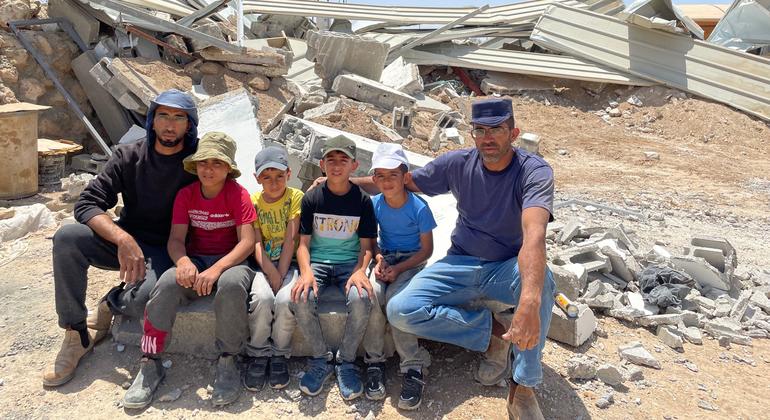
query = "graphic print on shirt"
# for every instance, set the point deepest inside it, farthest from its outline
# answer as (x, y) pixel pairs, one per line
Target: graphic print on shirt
(202, 219)
(334, 226)
(274, 221)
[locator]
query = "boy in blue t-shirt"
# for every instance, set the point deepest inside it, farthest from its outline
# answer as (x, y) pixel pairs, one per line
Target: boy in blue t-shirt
(406, 242)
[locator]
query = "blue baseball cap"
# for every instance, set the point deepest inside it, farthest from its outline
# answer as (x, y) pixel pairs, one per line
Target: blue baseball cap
(491, 112)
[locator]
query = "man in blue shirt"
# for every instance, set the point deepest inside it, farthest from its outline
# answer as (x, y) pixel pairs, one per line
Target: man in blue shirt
(504, 200)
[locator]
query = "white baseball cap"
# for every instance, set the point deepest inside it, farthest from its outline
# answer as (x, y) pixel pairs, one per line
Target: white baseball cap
(388, 156)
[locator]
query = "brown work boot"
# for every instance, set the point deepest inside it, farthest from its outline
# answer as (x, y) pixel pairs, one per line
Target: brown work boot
(100, 321)
(495, 364)
(68, 358)
(522, 404)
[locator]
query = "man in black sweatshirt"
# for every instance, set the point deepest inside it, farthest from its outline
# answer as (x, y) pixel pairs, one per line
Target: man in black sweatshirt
(148, 174)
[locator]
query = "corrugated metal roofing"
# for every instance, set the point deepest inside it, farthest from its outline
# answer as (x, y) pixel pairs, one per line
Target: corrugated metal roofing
(735, 78)
(512, 13)
(519, 62)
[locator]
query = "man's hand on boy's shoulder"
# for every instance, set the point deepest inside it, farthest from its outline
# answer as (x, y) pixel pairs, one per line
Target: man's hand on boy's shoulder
(304, 283)
(360, 281)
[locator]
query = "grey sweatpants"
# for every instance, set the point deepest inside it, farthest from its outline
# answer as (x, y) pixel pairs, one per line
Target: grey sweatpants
(77, 247)
(231, 295)
(409, 351)
(271, 322)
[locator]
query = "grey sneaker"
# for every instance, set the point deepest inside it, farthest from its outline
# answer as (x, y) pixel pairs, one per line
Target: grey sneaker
(227, 384)
(151, 373)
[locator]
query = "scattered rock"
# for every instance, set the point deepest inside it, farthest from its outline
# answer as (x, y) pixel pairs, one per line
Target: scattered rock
(670, 337)
(707, 405)
(605, 401)
(120, 348)
(635, 353)
(692, 366)
(610, 375)
(167, 364)
(581, 367)
(651, 155)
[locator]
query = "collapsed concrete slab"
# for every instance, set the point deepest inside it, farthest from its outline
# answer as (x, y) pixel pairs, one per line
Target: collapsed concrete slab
(704, 274)
(572, 331)
(277, 59)
(370, 91)
(84, 24)
(335, 53)
(402, 76)
(235, 113)
(112, 115)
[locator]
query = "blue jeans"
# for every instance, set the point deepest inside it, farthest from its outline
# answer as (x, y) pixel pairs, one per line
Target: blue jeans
(306, 313)
(434, 306)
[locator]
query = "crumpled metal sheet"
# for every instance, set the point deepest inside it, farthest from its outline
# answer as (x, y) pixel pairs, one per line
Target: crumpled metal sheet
(745, 26)
(660, 14)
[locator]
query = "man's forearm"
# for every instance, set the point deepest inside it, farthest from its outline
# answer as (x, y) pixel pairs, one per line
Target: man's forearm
(107, 229)
(532, 270)
(366, 183)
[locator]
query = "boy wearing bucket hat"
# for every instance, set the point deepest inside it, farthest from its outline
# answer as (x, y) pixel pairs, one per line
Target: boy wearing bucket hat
(271, 322)
(337, 232)
(211, 237)
(406, 242)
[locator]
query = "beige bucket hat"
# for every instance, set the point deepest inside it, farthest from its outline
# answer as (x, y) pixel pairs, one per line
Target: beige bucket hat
(214, 145)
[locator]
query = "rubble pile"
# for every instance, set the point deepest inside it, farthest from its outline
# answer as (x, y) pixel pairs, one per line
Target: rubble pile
(678, 296)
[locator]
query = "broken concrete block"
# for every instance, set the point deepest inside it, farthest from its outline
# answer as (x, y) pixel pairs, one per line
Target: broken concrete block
(605, 301)
(391, 134)
(84, 24)
(658, 320)
(635, 353)
(321, 110)
(702, 272)
(636, 300)
(256, 69)
(453, 135)
(530, 142)
(760, 300)
(428, 104)
(725, 327)
(145, 78)
(111, 114)
(572, 331)
(566, 281)
(594, 289)
(623, 263)
(728, 251)
(670, 336)
(273, 57)
(580, 367)
(335, 53)
(571, 229)
(626, 314)
(610, 375)
(587, 255)
(402, 118)
(211, 29)
(691, 319)
(370, 91)
(724, 304)
(691, 334)
(311, 99)
(513, 84)
(402, 76)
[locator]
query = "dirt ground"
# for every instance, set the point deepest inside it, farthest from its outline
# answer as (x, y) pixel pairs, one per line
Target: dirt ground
(711, 178)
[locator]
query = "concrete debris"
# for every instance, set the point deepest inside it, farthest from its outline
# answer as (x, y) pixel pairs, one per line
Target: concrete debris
(572, 331)
(610, 375)
(670, 336)
(659, 320)
(74, 184)
(370, 91)
(336, 53)
(402, 76)
(402, 118)
(268, 57)
(530, 142)
(581, 367)
(606, 400)
(760, 300)
(635, 353)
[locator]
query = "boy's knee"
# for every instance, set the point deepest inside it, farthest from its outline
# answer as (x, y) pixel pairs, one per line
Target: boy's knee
(261, 302)
(358, 301)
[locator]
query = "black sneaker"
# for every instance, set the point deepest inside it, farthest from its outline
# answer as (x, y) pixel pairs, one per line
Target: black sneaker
(411, 391)
(375, 381)
(255, 375)
(279, 372)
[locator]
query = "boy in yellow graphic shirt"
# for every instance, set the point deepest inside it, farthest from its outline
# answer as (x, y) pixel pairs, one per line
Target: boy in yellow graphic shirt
(271, 322)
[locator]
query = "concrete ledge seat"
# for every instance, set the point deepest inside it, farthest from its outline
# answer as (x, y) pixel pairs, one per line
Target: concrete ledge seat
(193, 331)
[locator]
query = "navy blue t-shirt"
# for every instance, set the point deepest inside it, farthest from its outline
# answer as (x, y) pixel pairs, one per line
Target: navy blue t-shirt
(489, 204)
